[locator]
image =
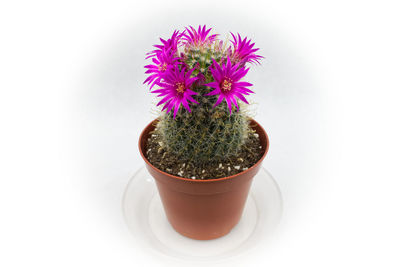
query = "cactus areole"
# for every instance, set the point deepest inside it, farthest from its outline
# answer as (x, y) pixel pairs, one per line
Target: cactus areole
(203, 130)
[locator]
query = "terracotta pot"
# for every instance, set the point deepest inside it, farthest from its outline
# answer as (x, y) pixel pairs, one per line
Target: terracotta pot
(203, 209)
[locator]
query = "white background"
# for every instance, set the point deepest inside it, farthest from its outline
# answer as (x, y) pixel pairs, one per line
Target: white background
(72, 106)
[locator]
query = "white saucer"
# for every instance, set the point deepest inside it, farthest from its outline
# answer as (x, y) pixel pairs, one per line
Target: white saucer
(145, 217)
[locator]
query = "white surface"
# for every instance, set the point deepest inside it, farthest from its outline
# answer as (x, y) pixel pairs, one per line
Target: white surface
(72, 107)
(146, 219)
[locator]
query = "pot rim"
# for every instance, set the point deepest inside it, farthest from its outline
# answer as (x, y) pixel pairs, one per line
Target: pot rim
(199, 180)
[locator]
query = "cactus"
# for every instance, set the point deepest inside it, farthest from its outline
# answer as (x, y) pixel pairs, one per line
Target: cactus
(204, 74)
(205, 134)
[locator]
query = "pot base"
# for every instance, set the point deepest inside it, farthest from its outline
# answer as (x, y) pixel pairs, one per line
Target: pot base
(146, 219)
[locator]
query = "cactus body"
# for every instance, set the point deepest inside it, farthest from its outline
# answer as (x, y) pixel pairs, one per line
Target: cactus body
(206, 133)
(197, 71)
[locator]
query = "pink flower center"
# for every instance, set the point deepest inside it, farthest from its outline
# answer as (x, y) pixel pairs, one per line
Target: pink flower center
(162, 67)
(180, 87)
(226, 85)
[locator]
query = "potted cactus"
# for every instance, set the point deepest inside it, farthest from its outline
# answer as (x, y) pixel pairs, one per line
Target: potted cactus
(203, 150)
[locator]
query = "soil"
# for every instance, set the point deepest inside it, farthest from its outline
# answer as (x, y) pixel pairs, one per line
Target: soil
(167, 162)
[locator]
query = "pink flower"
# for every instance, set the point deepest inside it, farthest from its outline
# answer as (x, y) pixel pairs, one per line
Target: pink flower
(198, 38)
(243, 51)
(170, 45)
(175, 90)
(227, 84)
(162, 62)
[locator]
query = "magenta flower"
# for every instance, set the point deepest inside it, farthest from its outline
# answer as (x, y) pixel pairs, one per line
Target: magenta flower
(243, 51)
(198, 38)
(162, 62)
(175, 90)
(167, 45)
(227, 83)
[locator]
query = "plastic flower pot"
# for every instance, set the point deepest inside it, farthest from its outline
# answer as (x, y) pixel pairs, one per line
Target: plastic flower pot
(203, 209)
